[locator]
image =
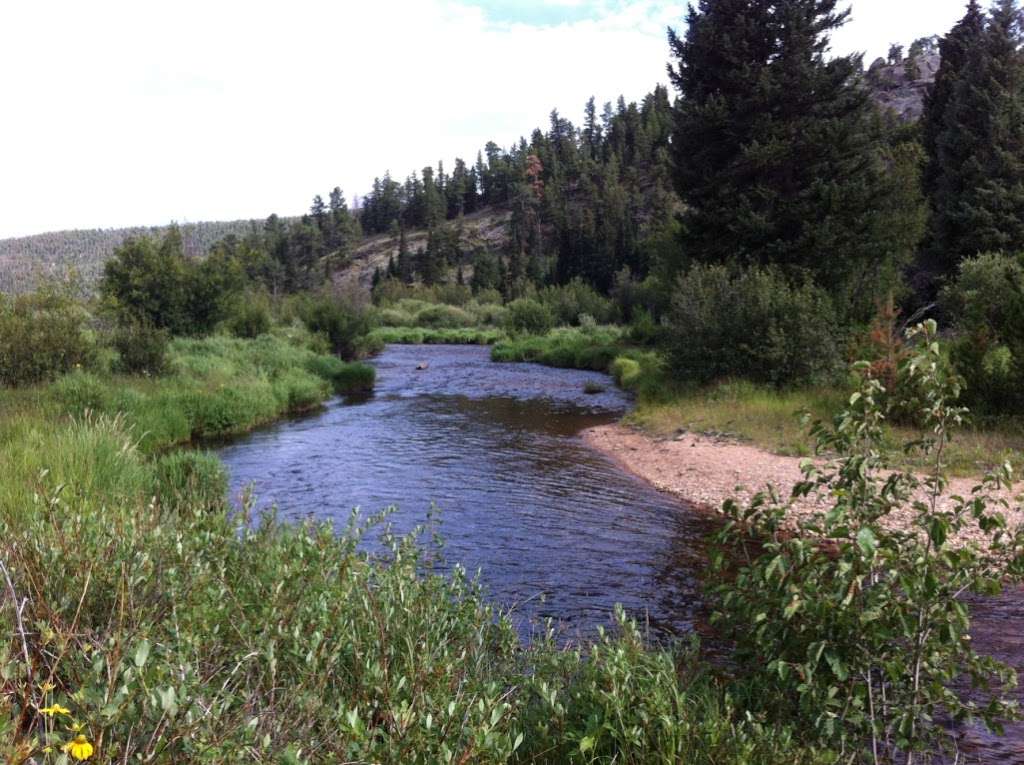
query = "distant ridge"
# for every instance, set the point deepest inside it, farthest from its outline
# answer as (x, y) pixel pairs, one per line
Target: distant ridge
(23, 260)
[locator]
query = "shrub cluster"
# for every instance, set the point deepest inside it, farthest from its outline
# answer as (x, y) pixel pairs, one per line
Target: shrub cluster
(343, 322)
(528, 317)
(987, 301)
(753, 324)
(568, 302)
(141, 348)
(43, 334)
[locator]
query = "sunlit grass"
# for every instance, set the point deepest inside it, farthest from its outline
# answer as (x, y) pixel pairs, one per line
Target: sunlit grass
(776, 420)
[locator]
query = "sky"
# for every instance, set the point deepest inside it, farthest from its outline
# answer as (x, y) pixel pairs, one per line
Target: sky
(140, 112)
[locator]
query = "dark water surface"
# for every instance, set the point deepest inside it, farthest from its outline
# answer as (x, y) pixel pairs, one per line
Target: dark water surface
(555, 529)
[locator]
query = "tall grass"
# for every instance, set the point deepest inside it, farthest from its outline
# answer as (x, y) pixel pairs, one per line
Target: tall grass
(217, 386)
(417, 336)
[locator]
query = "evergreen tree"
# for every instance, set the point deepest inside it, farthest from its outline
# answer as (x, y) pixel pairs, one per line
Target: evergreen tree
(319, 212)
(977, 191)
(954, 49)
(779, 154)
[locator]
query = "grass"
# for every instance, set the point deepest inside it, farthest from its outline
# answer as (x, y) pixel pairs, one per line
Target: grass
(567, 347)
(420, 336)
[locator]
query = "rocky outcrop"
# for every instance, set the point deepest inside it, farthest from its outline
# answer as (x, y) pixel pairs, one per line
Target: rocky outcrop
(901, 87)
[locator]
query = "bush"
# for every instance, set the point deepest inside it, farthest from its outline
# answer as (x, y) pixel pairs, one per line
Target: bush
(528, 317)
(141, 349)
(569, 301)
(754, 325)
(42, 336)
(250, 317)
(299, 390)
(343, 322)
(987, 301)
(860, 642)
(625, 371)
(443, 317)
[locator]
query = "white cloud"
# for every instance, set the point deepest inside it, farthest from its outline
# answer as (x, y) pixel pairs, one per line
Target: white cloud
(123, 112)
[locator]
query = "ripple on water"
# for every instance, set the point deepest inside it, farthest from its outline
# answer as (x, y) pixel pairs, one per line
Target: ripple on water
(554, 528)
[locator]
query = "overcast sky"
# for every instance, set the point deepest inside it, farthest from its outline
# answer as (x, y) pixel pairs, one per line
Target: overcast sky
(143, 111)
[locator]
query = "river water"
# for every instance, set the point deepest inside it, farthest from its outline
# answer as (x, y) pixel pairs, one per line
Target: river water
(555, 529)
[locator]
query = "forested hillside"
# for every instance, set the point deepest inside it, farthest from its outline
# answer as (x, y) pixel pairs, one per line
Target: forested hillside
(24, 259)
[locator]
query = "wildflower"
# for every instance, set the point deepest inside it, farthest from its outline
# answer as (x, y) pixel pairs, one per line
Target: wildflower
(79, 748)
(55, 709)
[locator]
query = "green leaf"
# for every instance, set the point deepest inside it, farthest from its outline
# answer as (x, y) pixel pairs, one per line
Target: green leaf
(837, 666)
(586, 744)
(141, 654)
(866, 541)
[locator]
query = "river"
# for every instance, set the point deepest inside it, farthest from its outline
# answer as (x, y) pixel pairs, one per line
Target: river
(555, 529)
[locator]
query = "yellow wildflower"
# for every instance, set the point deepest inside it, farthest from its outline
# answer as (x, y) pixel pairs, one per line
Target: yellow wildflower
(79, 748)
(55, 709)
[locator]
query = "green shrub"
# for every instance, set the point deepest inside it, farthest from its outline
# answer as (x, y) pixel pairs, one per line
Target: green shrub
(488, 296)
(489, 314)
(231, 410)
(341, 321)
(860, 643)
(643, 330)
(344, 377)
(42, 336)
(141, 348)
(987, 304)
(626, 372)
(393, 317)
(250, 317)
(569, 301)
(443, 317)
(753, 324)
(528, 317)
(414, 336)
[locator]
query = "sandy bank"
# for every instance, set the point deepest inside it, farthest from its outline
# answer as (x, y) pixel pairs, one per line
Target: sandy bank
(706, 471)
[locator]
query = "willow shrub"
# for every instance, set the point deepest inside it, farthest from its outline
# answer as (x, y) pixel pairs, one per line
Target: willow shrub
(752, 324)
(43, 334)
(859, 641)
(163, 631)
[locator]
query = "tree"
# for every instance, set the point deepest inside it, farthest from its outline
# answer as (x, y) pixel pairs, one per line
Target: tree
(976, 128)
(780, 155)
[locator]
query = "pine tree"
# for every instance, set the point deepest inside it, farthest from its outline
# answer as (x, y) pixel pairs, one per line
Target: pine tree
(779, 154)
(978, 186)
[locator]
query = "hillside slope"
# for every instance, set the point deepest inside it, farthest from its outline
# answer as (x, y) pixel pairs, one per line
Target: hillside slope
(487, 230)
(24, 259)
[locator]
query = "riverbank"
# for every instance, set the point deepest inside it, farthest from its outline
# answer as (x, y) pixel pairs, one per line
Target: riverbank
(706, 469)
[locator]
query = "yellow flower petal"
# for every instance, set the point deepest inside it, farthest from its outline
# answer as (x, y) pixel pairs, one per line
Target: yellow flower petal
(79, 748)
(55, 709)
